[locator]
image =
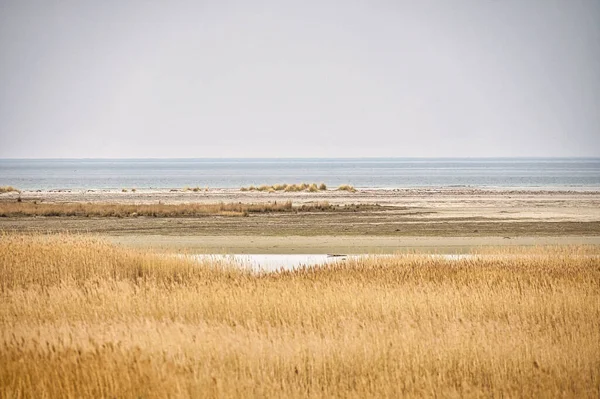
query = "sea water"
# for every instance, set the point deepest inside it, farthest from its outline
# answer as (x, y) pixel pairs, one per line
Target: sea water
(566, 173)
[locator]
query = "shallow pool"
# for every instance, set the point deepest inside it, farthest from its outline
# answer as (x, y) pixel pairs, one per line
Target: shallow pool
(269, 263)
(263, 262)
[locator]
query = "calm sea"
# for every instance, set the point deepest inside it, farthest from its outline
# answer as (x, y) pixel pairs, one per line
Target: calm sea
(568, 173)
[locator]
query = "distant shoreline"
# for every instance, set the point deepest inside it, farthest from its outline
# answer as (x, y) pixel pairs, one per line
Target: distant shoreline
(580, 174)
(453, 219)
(126, 192)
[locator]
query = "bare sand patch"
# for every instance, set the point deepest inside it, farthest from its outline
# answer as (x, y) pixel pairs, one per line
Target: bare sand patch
(451, 220)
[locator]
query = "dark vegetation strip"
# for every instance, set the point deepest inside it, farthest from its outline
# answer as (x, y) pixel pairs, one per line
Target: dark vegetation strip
(34, 208)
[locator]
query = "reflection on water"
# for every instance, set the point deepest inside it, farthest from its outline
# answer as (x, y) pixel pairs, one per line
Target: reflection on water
(269, 263)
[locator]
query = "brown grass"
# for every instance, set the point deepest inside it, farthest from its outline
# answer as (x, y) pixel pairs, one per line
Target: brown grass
(194, 189)
(313, 188)
(8, 189)
(81, 318)
(287, 187)
(347, 187)
(17, 209)
(79, 209)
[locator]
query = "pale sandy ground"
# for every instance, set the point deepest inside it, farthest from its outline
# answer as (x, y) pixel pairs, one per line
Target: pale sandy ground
(433, 220)
(582, 205)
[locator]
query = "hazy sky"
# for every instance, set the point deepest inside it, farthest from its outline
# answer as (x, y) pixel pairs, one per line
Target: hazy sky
(299, 79)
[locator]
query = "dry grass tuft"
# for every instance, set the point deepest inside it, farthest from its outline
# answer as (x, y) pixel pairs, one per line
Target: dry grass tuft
(8, 189)
(292, 188)
(18, 209)
(313, 187)
(193, 189)
(347, 187)
(264, 187)
(81, 318)
(27, 209)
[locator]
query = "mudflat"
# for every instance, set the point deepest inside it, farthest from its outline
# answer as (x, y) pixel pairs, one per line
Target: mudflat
(449, 220)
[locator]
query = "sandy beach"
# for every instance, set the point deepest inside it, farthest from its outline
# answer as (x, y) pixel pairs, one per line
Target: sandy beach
(427, 220)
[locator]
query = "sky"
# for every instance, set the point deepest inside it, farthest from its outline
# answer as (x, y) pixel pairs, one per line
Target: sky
(276, 78)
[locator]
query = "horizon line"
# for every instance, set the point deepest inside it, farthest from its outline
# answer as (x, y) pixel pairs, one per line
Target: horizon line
(294, 158)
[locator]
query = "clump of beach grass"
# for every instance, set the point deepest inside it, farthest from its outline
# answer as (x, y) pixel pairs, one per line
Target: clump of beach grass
(347, 187)
(8, 189)
(82, 318)
(292, 188)
(193, 189)
(313, 187)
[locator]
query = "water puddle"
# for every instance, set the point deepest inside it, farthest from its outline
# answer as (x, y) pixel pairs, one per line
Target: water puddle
(270, 263)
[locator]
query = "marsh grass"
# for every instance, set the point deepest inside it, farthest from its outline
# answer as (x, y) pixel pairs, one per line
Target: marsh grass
(82, 318)
(16, 209)
(34, 208)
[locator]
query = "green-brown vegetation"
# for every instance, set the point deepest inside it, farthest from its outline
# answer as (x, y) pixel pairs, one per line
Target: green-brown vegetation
(8, 189)
(313, 187)
(80, 209)
(15, 209)
(290, 188)
(347, 187)
(81, 318)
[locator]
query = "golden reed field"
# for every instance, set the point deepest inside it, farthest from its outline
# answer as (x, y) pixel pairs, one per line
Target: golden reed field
(82, 318)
